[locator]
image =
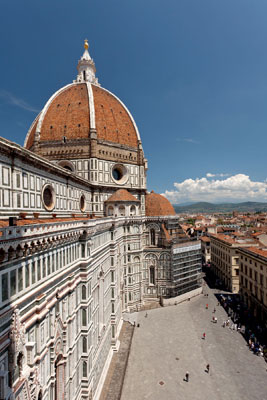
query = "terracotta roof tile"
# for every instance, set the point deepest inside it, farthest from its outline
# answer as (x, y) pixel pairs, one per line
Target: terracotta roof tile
(113, 122)
(68, 115)
(122, 195)
(167, 235)
(205, 239)
(260, 252)
(38, 221)
(158, 205)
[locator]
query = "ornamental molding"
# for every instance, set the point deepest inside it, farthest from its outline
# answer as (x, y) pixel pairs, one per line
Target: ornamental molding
(17, 334)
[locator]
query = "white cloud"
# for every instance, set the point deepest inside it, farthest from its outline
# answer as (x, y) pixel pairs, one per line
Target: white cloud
(234, 188)
(187, 140)
(209, 175)
(15, 101)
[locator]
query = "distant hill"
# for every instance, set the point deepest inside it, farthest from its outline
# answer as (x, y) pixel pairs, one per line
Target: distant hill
(203, 207)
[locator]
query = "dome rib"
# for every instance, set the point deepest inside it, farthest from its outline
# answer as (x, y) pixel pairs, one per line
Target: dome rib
(91, 105)
(71, 113)
(126, 109)
(45, 109)
(29, 139)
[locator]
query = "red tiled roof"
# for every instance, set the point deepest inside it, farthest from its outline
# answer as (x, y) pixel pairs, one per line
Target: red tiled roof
(68, 115)
(205, 239)
(158, 205)
(260, 252)
(122, 195)
(22, 222)
(167, 235)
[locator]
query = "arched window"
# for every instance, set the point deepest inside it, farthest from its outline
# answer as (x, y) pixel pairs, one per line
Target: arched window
(132, 210)
(84, 344)
(20, 363)
(40, 396)
(152, 237)
(84, 76)
(121, 211)
(84, 294)
(152, 275)
(59, 371)
(110, 211)
(84, 317)
(84, 369)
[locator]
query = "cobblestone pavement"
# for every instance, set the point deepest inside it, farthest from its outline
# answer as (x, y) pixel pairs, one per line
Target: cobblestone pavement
(169, 343)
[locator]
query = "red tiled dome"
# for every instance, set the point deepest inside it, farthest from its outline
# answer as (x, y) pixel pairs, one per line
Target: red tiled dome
(158, 205)
(68, 114)
(122, 195)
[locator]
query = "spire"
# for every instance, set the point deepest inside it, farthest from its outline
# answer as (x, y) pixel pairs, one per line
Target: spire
(86, 67)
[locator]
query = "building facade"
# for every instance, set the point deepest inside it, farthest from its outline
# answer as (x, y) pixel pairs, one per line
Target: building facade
(205, 249)
(81, 242)
(253, 281)
(225, 258)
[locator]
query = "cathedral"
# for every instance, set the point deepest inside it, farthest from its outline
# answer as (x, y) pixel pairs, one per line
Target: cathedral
(81, 242)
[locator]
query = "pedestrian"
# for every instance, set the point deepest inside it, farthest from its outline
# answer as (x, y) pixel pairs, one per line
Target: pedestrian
(146, 315)
(214, 311)
(215, 320)
(208, 368)
(204, 336)
(207, 306)
(187, 376)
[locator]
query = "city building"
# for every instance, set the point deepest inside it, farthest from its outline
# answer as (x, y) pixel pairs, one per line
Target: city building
(225, 258)
(205, 249)
(81, 242)
(253, 281)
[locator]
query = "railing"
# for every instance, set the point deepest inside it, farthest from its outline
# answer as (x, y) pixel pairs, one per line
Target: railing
(29, 230)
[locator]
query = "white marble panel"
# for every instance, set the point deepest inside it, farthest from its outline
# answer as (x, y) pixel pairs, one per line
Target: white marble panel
(6, 199)
(5, 176)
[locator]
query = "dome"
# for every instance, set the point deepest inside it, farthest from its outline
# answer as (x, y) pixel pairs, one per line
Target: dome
(122, 195)
(81, 111)
(77, 108)
(158, 205)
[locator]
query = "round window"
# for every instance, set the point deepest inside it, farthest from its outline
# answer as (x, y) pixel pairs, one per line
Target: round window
(82, 203)
(68, 165)
(119, 174)
(48, 197)
(116, 173)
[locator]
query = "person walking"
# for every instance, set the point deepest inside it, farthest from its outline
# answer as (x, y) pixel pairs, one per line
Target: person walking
(208, 368)
(187, 376)
(207, 306)
(204, 336)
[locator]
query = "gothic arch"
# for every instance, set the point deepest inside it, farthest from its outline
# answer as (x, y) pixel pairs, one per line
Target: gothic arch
(59, 374)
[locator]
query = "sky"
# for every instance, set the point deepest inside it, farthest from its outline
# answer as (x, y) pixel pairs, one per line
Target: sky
(193, 74)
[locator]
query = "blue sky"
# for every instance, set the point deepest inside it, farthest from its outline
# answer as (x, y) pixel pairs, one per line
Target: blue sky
(193, 74)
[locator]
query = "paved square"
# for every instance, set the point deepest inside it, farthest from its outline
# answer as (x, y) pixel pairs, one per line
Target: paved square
(169, 342)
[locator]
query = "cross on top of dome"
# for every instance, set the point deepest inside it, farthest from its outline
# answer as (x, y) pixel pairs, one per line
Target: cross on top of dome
(86, 67)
